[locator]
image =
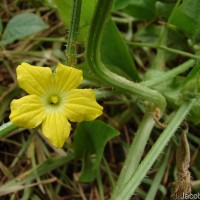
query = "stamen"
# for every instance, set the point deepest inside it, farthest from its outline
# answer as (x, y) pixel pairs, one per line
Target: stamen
(54, 99)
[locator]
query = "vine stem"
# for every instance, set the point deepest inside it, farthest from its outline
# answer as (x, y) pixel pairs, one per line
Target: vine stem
(7, 128)
(128, 189)
(101, 15)
(136, 150)
(73, 34)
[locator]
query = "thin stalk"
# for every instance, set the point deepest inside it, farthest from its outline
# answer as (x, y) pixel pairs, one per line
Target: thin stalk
(101, 15)
(129, 188)
(73, 33)
(48, 39)
(7, 128)
(22, 150)
(163, 47)
(135, 151)
(159, 61)
(34, 164)
(100, 185)
(158, 177)
(109, 173)
(169, 74)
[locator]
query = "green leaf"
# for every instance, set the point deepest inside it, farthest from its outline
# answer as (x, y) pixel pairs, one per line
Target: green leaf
(90, 139)
(115, 53)
(21, 26)
(168, 1)
(64, 8)
(148, 34)
(164, 9)
(143, 9)
(119, 4)
(187, 17)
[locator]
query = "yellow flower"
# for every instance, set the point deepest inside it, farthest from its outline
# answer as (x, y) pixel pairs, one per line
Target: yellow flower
(52, 101)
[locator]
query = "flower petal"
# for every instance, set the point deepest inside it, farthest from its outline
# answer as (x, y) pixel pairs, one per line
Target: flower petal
(68, 77)
(27, 112)
(56, 128)
(33, 79)
(81, 105)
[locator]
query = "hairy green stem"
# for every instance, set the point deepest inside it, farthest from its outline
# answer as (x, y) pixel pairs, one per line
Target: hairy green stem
(158, 177)
(129, 188)
(135, 151)
(73, 33)
(93, 44)
(7, 128)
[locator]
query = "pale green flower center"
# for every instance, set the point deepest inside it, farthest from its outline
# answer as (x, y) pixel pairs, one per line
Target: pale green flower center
(53, 101)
